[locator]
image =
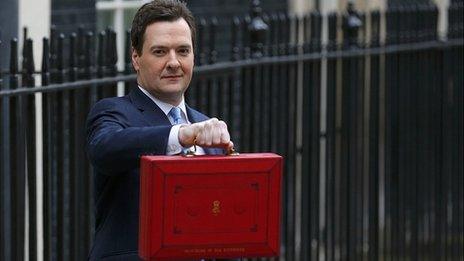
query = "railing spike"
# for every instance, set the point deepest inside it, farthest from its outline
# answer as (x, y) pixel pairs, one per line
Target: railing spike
(14, 56)
(29, 68)
(88, 50)
(24, 52)
(234, 41)
(101, 55)
(80, 46)
(53, 47)
(89, 56)
(257, 30)
(127, 48)
(200, 42)
(45, 56)
(60, 53)
(73, 50)
(114, 51)
(212, 40)
(245, 36)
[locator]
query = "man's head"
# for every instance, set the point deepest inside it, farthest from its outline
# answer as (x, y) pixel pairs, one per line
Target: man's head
(163, 35)
(159, 11)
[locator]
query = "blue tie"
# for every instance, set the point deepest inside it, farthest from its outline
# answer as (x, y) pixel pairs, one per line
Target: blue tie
(175, 114)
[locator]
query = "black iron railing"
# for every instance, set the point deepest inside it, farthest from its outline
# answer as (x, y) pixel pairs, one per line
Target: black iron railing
(371, 130)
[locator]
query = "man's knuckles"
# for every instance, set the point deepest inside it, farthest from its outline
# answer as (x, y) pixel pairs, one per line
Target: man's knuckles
(209, 133)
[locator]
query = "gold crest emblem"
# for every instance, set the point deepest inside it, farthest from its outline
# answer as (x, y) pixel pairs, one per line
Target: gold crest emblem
(216, 207)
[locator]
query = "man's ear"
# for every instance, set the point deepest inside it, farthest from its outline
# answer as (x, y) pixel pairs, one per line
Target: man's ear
(135, 59)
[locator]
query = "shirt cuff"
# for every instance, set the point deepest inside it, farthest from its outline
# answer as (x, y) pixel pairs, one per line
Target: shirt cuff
(174, 146)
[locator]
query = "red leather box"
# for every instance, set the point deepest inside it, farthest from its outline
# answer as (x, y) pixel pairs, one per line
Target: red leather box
(210, 206)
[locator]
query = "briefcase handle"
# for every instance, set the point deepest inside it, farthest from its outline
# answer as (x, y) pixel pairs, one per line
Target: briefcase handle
(191, 153)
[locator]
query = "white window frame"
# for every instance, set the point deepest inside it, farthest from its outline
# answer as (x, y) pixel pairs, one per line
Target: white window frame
(118, 7)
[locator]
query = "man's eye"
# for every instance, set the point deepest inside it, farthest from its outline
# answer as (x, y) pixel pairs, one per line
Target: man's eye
(159, 52)
(184, 51)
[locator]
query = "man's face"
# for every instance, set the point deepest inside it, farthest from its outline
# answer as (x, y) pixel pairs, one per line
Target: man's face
(165, 66)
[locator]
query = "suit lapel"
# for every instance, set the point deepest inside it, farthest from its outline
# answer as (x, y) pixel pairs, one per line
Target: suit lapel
(150, 111)
(194, 116)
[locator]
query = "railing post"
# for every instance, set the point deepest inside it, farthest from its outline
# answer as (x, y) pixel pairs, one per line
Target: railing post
(5, 179)
(60, 62)
(316, 31)
(245, 22)
(332, 32)
(200, 44)
(80, 50)
(274, 35)
(89, 54)
(282, 29)
(212, 41)
(30, 139)
(17, 153)
(47, 155)
(257, 30)
(234, 54)
(45, 74)
(53, 54)
(351, 24)
(375, 29)
(24, 52)
(351, 156)
(14, 68)
(111, 52)
(1, 77)
(101, 57)
(28, 64)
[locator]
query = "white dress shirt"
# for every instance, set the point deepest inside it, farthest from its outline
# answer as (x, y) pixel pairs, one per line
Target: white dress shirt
(174, 146)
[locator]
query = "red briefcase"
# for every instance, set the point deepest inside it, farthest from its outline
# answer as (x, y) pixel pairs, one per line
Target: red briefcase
(210, 206)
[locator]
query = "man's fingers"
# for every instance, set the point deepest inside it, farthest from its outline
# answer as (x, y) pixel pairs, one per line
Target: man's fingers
(221, 134)
(210, 133)
(217, 135)
(225, 137)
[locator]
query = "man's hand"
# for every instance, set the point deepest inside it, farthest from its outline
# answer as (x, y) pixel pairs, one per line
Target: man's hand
(210, 133)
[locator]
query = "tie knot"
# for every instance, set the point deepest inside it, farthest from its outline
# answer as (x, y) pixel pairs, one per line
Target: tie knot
(176, 115)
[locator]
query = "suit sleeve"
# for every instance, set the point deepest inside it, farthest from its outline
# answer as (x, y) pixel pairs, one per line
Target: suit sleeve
(113, 145)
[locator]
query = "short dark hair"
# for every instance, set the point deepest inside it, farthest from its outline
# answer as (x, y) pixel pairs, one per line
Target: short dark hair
(156, 11)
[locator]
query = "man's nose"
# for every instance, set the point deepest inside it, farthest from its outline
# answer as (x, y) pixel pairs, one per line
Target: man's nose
(173, 61)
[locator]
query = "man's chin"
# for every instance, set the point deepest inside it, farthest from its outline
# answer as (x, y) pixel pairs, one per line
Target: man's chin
(171, 96)
(174, 90)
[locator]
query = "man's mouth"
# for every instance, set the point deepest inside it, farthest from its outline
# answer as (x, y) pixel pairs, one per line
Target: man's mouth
(171, 76)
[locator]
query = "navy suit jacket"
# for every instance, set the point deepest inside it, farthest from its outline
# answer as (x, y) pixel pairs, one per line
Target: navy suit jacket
(119, 131)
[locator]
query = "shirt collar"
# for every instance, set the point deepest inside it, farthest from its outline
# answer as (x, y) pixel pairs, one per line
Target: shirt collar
(166, 107)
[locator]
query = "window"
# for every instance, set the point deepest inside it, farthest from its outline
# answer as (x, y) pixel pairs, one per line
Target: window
(118, 15)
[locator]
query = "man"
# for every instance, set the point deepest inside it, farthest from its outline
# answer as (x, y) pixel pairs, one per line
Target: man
(152, 119)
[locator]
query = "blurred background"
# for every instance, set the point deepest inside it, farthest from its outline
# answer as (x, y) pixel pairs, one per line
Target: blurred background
(363, 99)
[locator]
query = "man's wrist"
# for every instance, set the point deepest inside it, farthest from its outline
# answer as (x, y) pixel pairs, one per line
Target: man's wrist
(174, 147)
